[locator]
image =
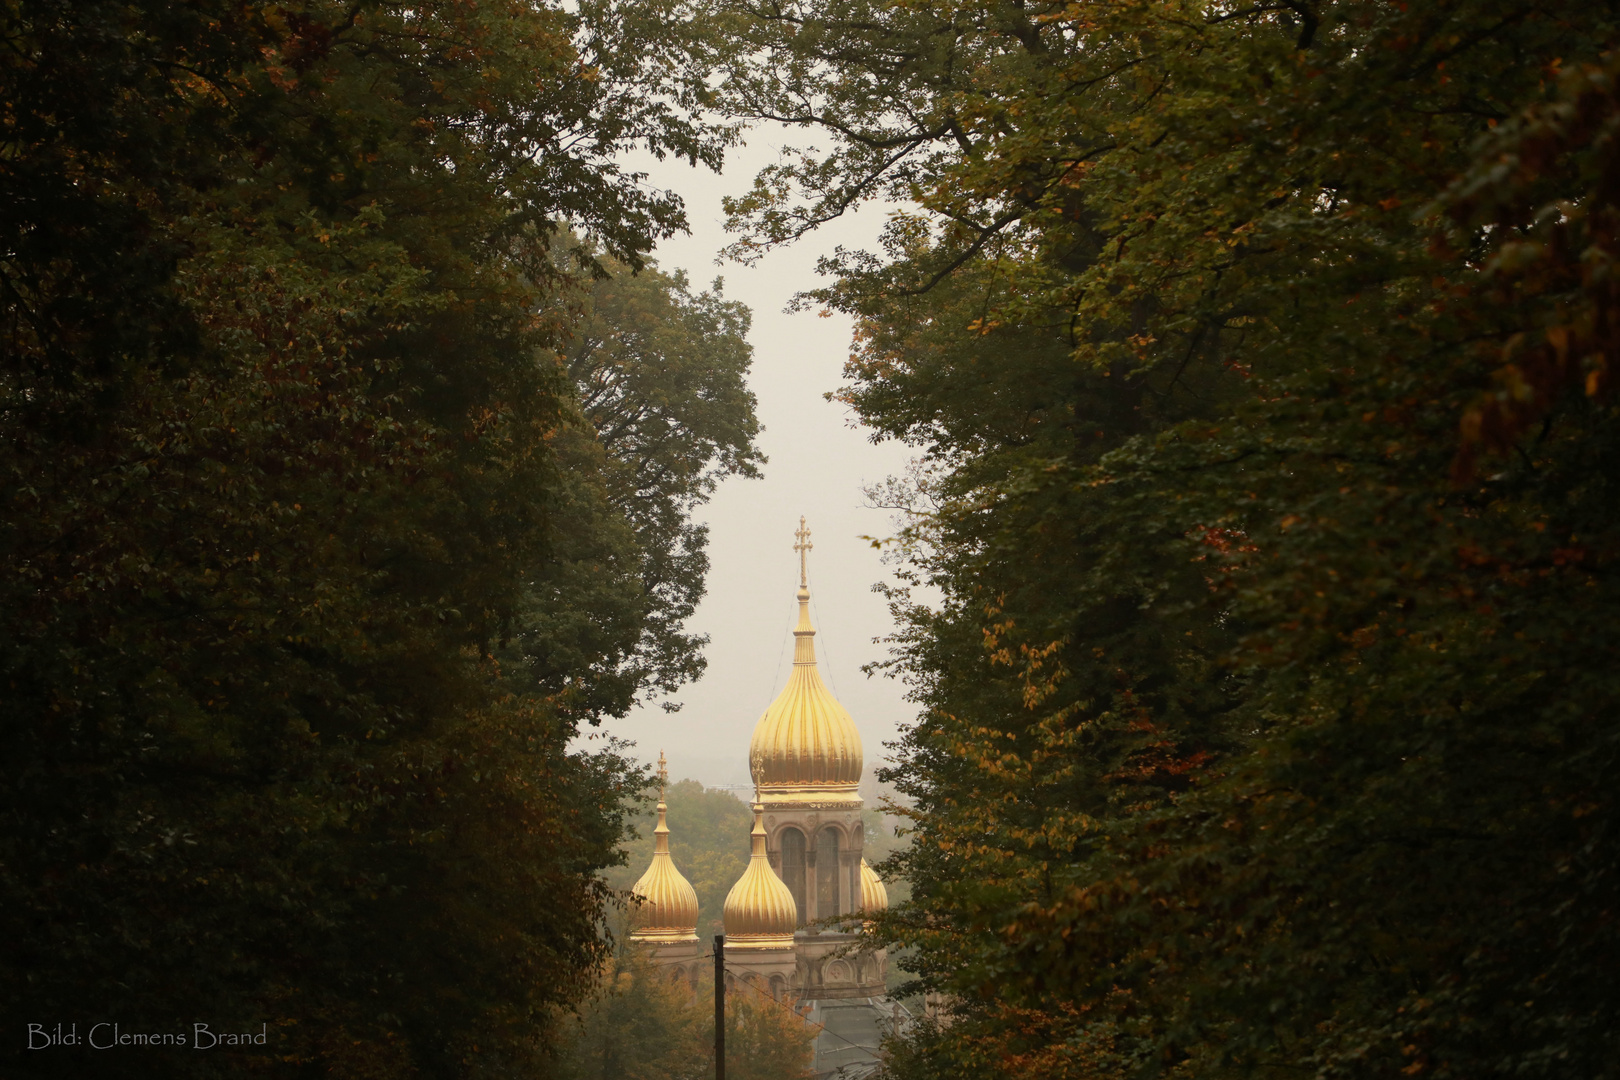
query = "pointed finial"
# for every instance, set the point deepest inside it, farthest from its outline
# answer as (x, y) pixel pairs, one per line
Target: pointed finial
(663, 775)
(803, 546)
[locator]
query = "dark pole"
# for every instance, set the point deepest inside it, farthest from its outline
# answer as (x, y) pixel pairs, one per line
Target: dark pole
(719, 1007)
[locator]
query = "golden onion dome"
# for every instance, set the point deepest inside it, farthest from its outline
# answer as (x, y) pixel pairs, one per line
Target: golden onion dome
(806, 747)
(668, 910)
(760, 912)
(874, 897)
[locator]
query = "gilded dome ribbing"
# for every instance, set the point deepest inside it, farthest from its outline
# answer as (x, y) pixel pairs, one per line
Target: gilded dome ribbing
(805, 745)
(874, 897)
(669, 905)
(760, 912)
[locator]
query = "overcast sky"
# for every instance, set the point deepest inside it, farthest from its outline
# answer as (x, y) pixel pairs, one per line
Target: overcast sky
(819, 464)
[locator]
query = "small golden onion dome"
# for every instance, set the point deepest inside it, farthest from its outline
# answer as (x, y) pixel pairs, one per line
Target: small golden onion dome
(668, 910)
(806, 745)
(760, 912)
(874, 897)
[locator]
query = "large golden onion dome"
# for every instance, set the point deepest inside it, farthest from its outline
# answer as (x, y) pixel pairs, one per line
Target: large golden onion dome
(760, 912)
(668, 910)
(805, 747)
(874, 897)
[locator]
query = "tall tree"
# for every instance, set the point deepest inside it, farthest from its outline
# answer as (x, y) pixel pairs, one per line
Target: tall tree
(662, 415)
(639, 1025)
(1260, 357)
(642, 1023)
(278, 401)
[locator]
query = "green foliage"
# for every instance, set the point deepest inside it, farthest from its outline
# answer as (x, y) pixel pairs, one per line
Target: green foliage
(766, 1039)
(280, 415)
(1259, 357)
(641, 1024)
(662, 415)
(645, 1022)
(708, 840)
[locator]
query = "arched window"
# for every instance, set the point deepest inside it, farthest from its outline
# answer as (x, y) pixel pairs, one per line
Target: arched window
(827, 873)
(793, 873)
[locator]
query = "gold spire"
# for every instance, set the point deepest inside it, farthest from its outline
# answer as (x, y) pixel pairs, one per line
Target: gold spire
(669, 905)
(874, 897)
(806, 745)
(760, 912)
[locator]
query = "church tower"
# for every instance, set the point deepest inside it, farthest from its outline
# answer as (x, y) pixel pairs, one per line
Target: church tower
(805, 756)
(666, 913)
(760, 919)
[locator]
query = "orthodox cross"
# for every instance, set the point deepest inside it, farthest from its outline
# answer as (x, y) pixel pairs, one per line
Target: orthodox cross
(663, 775)
(803, 546)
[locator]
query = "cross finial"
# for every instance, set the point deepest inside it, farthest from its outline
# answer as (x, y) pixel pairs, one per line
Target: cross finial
(663, 775)
(802, 547)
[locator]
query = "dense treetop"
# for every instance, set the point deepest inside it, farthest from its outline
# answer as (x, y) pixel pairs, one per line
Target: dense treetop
(1260, 359)
(303, 515)
(644, 1024)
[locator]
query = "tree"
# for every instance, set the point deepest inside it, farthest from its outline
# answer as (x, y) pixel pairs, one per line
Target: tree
(280, 391)
(663, 415)
(1266, 419)
(766, 1039)
(639, 1024)
(644, 1023)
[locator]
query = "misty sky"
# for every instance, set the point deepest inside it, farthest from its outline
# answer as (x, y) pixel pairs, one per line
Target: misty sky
(819, 464)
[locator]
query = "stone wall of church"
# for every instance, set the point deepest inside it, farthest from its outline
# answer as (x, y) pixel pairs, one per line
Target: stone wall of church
(834, 965)
(816, 851)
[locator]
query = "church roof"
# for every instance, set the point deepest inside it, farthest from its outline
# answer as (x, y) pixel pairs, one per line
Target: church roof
(849, 1045)
(874, 897)
(668, 910)
(760, 912)
(805, 746)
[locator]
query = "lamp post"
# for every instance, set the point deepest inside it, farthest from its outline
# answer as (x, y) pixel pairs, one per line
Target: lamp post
(719, 1007)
